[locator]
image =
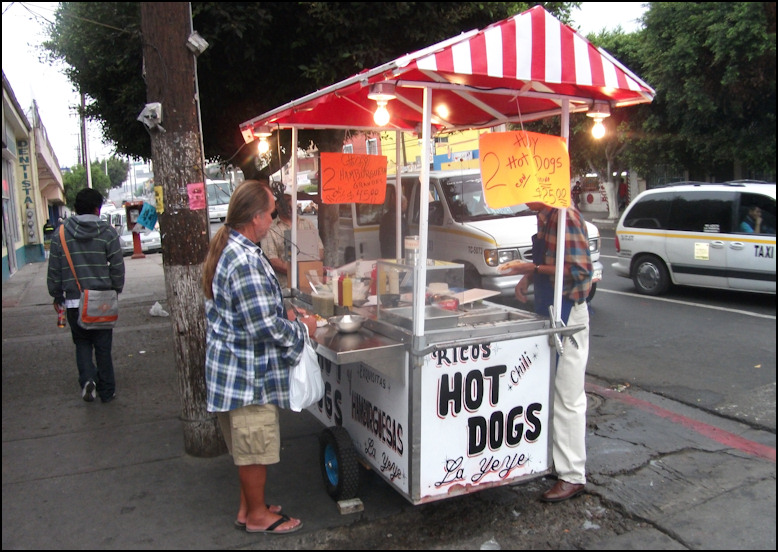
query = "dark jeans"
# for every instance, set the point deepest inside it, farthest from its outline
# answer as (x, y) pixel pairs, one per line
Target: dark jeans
(100, 342)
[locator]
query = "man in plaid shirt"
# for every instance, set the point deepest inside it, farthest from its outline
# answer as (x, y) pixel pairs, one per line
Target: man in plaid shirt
(251, 345)
(569, 426)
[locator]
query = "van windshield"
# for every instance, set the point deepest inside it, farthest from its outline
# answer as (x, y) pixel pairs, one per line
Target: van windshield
(465, 198)
(219, 193)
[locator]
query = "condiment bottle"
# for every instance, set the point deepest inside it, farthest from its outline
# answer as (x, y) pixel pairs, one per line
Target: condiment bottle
(373, 280)
(340, 289)
(346, 298)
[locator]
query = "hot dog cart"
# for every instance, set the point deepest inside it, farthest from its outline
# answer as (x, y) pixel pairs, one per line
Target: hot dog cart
(442, 402)
(463, 407)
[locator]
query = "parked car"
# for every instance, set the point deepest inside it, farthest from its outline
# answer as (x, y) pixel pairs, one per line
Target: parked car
(219, 193)
(698, 234)
(150, 242)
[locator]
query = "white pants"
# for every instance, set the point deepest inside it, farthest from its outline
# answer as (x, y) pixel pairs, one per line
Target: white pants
(569, 434)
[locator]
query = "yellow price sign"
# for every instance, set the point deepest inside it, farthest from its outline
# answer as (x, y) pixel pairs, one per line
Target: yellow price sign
(522, 167)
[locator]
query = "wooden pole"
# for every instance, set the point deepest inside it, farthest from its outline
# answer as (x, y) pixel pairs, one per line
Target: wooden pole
(178, 162)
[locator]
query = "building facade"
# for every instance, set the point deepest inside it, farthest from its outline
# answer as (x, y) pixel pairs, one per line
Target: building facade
(33, 190)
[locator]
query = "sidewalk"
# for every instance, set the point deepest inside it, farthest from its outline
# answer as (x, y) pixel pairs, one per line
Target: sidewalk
(82, 475)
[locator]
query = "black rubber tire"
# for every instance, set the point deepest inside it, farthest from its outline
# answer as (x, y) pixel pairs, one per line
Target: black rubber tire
(472, 277)
(650, 275)
(340, 467)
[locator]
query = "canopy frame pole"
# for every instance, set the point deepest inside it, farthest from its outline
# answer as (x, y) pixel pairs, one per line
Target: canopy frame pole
(291, 280)
(420, 269)
(397, 198)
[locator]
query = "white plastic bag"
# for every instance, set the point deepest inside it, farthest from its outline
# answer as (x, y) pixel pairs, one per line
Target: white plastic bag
(306, 385)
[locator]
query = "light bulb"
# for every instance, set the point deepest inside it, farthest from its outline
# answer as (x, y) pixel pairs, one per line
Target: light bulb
(598, 130)
(381, 115)
(263, 146)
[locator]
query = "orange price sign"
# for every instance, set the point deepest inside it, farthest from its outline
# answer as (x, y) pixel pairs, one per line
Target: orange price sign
(352, 178)
(521, 167)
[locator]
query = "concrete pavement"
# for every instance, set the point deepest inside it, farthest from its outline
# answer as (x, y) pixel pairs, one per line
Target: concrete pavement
(82, 475)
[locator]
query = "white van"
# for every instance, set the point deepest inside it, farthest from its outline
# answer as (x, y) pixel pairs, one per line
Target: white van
(698, 234)
(461, 229)
(219, 194)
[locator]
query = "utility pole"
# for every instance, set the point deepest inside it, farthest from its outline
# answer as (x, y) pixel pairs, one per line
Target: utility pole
(176, 148)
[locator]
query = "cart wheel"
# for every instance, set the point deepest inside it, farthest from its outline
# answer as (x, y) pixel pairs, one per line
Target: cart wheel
(339, 464)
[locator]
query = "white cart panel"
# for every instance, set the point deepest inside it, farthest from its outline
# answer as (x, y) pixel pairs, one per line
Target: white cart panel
(484, 415)
(373, 408)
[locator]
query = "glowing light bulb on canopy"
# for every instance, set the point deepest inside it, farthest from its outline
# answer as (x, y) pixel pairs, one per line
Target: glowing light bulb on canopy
(598, 130)
(381, 115)
(381, 93)
(599, 111)
(263, 146)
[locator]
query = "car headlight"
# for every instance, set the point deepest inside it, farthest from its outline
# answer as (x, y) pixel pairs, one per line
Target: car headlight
(496, 257)
(594, 245)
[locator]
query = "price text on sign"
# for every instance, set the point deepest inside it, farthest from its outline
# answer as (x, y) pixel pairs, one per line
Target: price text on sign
(352, 178)
(521, 167)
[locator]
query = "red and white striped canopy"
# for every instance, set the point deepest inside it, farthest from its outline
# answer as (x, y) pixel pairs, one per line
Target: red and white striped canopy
(518, 69)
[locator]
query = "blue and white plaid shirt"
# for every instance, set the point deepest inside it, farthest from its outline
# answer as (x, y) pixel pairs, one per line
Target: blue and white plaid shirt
(250, 344)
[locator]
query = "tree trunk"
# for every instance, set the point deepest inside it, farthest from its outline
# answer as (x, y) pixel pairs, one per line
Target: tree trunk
(178, 161)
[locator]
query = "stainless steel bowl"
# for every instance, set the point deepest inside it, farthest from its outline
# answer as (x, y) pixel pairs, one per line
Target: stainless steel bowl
(347, 323)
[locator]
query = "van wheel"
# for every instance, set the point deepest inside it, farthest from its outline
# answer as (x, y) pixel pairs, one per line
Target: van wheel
(650, 276)
(472, 277)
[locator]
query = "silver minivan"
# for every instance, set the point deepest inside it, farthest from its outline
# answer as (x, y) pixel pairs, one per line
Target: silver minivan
(699, 234)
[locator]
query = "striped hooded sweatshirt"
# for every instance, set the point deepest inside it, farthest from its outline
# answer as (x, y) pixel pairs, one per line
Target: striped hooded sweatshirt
(97, 257)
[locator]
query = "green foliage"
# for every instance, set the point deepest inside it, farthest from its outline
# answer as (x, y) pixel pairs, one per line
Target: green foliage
(260, 55)
(75, 181)
(711, 64)
(713, 67)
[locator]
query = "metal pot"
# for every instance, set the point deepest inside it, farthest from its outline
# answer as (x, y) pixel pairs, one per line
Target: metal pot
(347, 323)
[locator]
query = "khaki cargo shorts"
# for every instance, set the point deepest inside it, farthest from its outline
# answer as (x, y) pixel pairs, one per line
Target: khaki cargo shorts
(252, 434)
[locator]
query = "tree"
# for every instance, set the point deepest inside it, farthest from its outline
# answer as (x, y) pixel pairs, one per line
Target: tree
(75, 181)
(260, 55)
(118, 169)
(713, 67)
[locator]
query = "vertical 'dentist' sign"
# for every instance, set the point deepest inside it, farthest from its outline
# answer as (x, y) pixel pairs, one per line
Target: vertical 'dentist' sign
(28, 209)
(521, 167)
(484, 414)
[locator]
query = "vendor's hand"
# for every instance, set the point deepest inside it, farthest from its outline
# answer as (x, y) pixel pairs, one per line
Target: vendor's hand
(522, 288)
(516, 267)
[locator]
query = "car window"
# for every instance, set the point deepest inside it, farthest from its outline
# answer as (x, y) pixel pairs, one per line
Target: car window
(218, 193)
(765, 210)
(702, 211)
(651, 211)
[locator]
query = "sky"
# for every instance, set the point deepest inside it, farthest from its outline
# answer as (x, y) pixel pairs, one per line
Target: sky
(57, 100)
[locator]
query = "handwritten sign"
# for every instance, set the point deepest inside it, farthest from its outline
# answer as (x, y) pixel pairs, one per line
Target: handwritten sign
(522, 167)
(148, 216)
(352, 178)
(485, 414)
(196, 192)
(159, 196)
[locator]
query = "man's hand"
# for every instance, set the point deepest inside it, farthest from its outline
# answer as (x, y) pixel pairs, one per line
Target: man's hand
(522, 288)
(516, 267)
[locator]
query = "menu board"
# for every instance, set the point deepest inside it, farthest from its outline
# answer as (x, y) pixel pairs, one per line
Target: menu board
(523, 167)
(352, 178)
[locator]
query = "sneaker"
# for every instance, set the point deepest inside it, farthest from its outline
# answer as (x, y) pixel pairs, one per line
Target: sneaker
(89, 392)
(109, 399)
